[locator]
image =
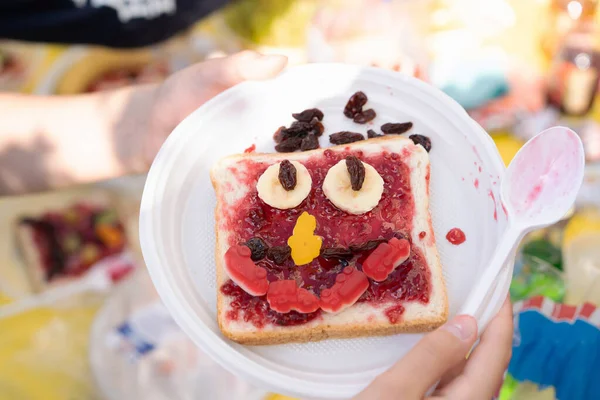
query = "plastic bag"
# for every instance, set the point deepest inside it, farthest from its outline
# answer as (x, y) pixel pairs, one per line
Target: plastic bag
(138, 352)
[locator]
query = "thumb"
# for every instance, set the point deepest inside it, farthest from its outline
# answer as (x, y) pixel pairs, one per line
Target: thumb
(425, 364)
(186, 90)
(243, 66)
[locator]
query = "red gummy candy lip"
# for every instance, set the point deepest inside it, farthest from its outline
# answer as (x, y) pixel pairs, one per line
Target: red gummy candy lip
(242, 270)
(385, 258)
(348, 287)
(285, 296)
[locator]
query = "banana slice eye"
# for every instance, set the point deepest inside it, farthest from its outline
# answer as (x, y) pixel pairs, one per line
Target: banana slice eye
(275, 186)
(339, 188)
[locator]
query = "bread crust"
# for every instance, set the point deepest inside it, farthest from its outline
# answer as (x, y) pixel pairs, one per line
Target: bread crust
(329, 326)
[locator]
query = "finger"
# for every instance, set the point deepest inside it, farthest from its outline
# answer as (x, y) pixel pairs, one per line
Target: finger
(451, 375)
(485, 368)
(186, 90)
(243, 66)
(423, 366)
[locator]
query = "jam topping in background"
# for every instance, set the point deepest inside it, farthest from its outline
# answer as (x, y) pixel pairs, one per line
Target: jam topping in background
(242, 270)
(118, 78)
(456, 236)
(70, 242)
(391, 217)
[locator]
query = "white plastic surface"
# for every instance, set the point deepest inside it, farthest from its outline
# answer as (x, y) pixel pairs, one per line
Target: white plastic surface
(177, 213)
(174, 370)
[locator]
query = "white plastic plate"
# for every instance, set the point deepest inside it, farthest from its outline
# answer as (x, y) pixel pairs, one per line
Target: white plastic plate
(177, 213)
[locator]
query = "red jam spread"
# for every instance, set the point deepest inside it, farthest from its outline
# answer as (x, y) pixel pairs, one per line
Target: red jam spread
(71, 241)
(284, 296)
(456, 236)
(242, 270)
(394, 313)
(392, 217)
(385, 258)
(348, 287)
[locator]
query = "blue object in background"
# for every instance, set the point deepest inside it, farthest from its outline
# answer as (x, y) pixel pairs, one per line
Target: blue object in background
(472, 82)
(558, 345)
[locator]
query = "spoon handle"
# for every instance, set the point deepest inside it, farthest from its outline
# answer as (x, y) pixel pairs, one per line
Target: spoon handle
(479, 296)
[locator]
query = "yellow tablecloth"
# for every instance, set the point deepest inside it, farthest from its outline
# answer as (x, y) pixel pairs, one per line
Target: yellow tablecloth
(43, 355)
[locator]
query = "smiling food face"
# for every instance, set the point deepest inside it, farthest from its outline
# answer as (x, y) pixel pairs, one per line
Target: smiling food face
(348, 244)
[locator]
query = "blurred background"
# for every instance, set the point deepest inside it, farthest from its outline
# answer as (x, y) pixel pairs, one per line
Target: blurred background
(517, 67)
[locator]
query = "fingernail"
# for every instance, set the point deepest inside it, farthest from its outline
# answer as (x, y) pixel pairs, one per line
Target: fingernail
(262, 66)
(248, 55)
(256, 57)
(270, 58)
(463, 327)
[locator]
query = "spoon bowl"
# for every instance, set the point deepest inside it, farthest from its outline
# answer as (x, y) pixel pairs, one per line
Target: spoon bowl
(542, 181)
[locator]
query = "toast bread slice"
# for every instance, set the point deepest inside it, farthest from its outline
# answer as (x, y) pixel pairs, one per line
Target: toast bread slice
(361, 319)
(28, 250)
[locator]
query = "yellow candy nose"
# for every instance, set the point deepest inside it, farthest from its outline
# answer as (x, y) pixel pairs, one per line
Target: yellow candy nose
(305, 245)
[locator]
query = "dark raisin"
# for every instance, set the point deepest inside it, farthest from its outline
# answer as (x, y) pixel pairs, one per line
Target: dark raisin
(345, 137)
(337, 252)
(279, 254)
(372, 134)
(318, 128)
(370, 245)
(396, 128)
(356, 169)
(289, 145)
(279, 134)
(355, 104)
(308, 115)
(365, 116)
(310, 142)
(287, 175)
(299, 128)
(258, 247)
(422, 140)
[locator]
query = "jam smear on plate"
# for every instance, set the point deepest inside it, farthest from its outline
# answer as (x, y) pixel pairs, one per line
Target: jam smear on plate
(456, 236)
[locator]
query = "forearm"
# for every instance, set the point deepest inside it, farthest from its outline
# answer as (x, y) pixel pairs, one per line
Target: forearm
(51, 142)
